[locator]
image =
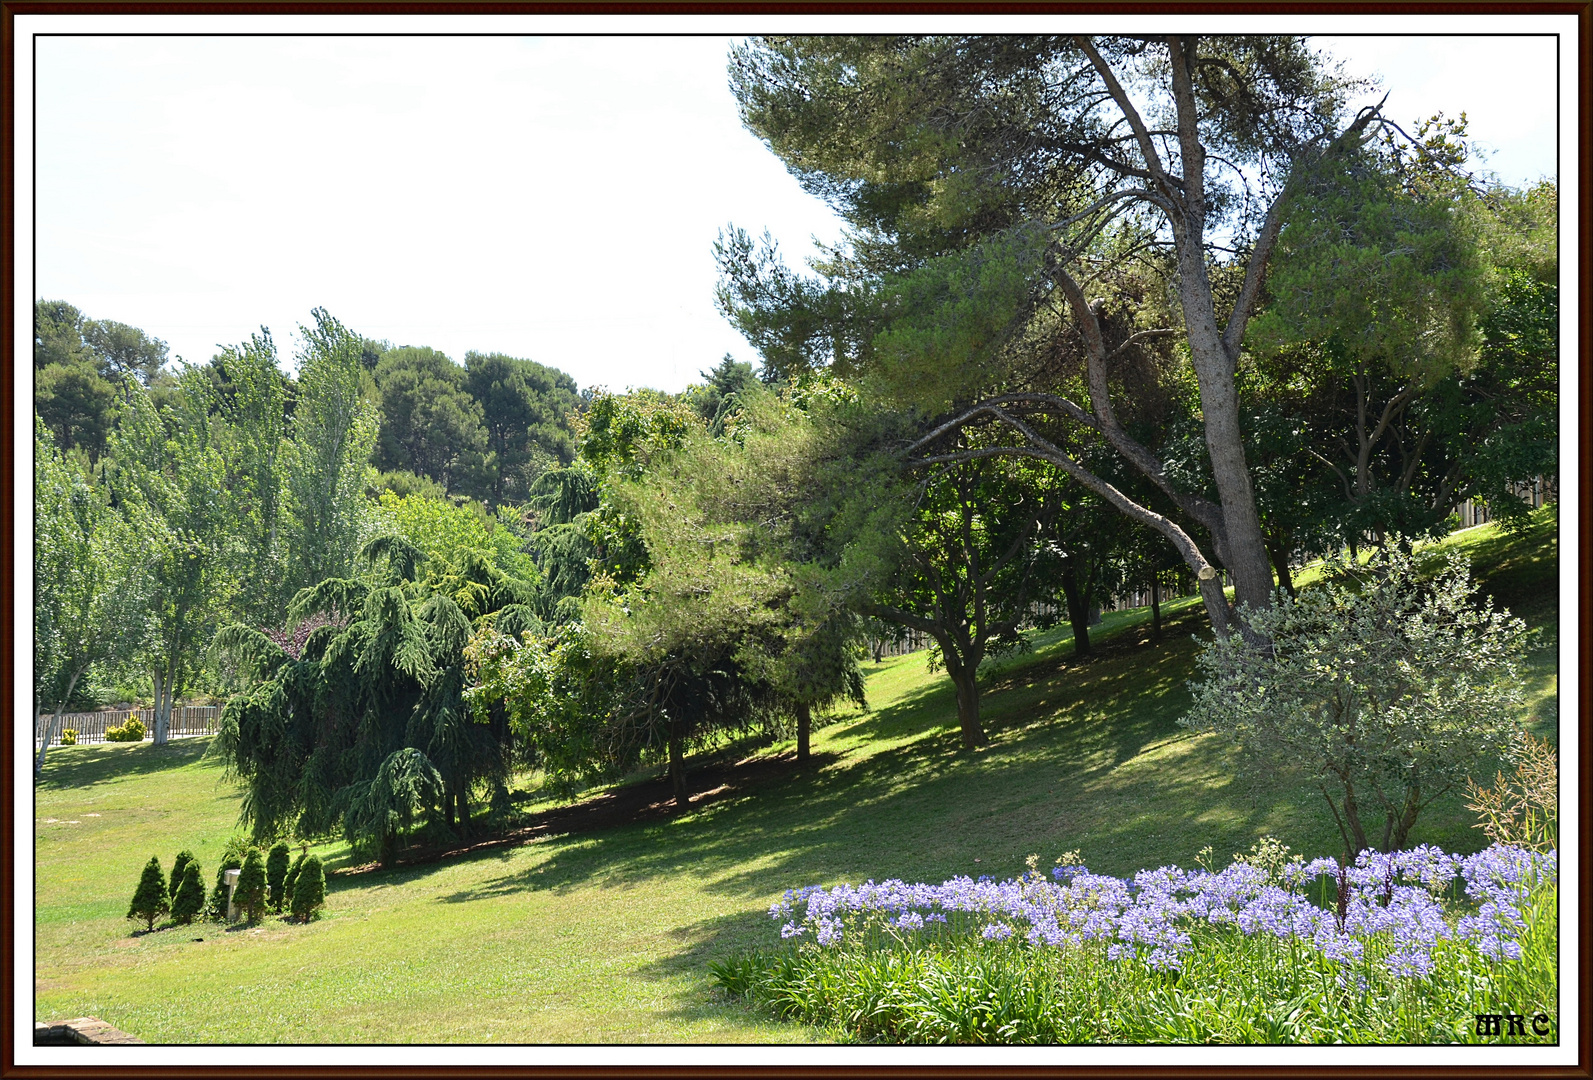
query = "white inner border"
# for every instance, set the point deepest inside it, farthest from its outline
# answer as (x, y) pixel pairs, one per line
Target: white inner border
(1571, 1011)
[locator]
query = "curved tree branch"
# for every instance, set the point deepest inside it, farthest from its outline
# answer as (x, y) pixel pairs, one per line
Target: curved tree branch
(1042, 449)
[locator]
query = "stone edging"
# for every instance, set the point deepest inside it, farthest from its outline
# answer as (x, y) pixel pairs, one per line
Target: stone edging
(84, 1031)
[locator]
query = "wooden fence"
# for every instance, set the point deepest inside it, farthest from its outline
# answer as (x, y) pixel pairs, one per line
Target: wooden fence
(186, 721)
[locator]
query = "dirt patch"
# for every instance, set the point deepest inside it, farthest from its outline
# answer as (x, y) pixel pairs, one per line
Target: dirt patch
(647, 801)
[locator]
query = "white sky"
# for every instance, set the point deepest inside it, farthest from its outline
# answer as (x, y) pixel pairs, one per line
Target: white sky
(555, 198)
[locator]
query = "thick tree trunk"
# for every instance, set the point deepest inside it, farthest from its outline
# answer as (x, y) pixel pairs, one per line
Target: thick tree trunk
(1078, 612)
(1396, 829)
(1352, 815)
(1240, 546)
(966, 680)
(462, 795)
(1156, 607)
(677, 771)
(804, 719)
(384, 850)
(1280, 563)
(448, 805)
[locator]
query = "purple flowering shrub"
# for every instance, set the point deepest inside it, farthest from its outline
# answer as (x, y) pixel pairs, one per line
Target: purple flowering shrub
(1423, 936)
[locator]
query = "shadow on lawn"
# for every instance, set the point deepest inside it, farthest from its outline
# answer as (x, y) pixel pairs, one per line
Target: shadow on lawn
(923, 811)
(85, 766)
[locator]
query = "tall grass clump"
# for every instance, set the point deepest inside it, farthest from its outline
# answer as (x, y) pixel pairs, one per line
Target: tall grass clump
(1404, 947)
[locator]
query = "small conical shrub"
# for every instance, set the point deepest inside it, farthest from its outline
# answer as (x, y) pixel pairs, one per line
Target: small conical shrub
(293, 876)
(150, 901)
(190, 898)
(309, 891)
(251, 892)
(184, 857)
(276, 868)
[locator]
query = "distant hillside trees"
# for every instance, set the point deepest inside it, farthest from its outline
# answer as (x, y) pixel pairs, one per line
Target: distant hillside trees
(486, 429)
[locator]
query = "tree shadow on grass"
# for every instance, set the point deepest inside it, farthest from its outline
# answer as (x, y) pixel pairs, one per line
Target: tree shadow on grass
(85, 766)
(925, 810)
(700, 945)
(1520, 570)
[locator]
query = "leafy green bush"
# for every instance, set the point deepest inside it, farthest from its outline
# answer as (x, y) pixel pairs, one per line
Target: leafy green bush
(69, 737)
(131, 731)
(309, 891)
(250, 895)
(150, 901)
(1381, 689)
(276, 869)
(189, 898)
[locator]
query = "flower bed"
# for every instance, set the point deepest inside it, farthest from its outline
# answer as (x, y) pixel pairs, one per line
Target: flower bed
(1404, 947)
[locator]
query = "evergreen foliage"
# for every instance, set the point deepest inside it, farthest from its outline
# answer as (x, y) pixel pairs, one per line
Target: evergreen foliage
(232, 856)
(178, 865)
(251, 892)
(365, 729)
(309, 890)
(150, 901)
(189, 899)
(276, 872)
(292, 877)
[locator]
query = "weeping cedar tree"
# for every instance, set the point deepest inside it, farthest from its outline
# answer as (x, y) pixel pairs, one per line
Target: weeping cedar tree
(1382, 690)
(364, 727)
(999, 184)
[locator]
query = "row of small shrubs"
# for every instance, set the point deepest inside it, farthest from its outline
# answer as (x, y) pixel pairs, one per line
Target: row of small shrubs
(266, 882)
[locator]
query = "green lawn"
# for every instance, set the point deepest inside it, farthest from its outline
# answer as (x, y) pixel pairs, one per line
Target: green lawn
(606, 936)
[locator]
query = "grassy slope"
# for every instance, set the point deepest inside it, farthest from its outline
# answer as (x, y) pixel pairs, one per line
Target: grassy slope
(606, 936)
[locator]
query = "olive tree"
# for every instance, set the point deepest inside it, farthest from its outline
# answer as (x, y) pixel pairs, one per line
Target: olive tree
(1382, 688)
